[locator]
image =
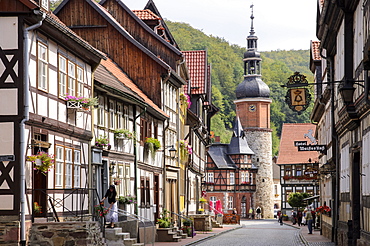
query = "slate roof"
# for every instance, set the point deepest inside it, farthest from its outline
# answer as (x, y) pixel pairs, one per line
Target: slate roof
(238, 143)
(315, 50)
(146, 14)
(218, 153)
(288, 153)
(196, 62)
(122, 82)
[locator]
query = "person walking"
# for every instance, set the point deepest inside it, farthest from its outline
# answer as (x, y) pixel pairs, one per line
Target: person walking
(112, 215)
(309, 220)
(299, 215)
(258, 211)
(251, 213)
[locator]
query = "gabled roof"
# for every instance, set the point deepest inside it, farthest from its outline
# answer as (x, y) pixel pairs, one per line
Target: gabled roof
(197, 64)
(288, 153)
(173, 47)
(151, 6)
(107, 16)
(146, 14)
(218, 153)
(124, 83)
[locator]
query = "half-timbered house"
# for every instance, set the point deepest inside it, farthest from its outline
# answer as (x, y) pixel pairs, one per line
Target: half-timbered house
(341, 110)
(197, 126)
(152, 64)
(298, 169)
(42, 61)
(230, 174)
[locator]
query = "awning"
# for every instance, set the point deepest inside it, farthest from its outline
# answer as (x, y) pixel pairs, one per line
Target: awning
(311, 198)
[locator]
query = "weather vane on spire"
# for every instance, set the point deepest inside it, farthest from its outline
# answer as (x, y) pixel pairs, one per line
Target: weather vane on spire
(252, 17)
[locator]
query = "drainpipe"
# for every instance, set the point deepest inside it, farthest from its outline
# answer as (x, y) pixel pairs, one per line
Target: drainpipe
(23, 137)
(164, 164)
(135, 159)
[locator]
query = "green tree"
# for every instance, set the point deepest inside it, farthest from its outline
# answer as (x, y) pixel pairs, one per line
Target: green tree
(295, 200)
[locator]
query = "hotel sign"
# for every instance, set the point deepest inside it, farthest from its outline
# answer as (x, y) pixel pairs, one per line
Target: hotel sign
(320, 148)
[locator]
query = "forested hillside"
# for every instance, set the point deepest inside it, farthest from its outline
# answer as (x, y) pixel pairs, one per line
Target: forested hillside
(227, 73)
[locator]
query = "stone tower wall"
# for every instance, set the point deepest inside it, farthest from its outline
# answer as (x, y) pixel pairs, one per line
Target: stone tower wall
(260, 141)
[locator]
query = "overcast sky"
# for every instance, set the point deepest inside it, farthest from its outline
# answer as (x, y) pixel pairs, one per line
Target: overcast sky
(279, 24)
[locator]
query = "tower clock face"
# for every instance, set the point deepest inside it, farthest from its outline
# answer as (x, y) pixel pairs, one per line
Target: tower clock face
(252, 108)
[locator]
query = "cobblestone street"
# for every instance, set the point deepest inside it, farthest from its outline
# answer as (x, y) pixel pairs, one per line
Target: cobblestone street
(259, 232)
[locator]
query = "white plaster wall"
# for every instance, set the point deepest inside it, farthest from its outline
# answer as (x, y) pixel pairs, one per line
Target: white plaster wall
(53, 113)
(42, 105)
(9, 28)
(9, 101)
(7, 138)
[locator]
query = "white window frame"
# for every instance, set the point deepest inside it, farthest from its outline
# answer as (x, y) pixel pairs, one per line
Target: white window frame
(42, 67)
(77, 169)
(45, 4)
(119, 116)
(62, 76)
(127, 180)
(71, 86)
(59, 164)
(232, 178)
(230, 202)
(210, 178)
(80, 82)
(101, 112)
(68, 168)
(112, 115)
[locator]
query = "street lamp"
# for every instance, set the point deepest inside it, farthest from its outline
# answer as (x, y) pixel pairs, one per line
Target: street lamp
(172, 151)
(347, 92)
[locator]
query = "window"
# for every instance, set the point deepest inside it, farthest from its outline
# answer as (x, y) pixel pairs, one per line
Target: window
(119, 115)
(42, 67)
(101, 113)
(145, 130)
(288, 171)
(80, 82)
(231, 202)
(62, 76)
(45, 4)
(299, 171)
(127, 179)
(125, 116)
(210, 178)
(68, 166)
(59, 163)
(77, 169)
(112, 115)
(232, 178)
(251, 178)
(71, 78)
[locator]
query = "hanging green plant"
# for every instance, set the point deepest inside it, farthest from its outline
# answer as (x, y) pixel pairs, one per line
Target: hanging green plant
(123, 134)
(42, 162)
(153, 145)
(102, 141)
(185, 150)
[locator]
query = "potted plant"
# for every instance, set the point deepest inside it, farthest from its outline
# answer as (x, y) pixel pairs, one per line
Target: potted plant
(80, 102)
(185, 150)
(37, 208)
(127, 199)
(185, 101)
(202, 200)
(153, 145)
(42, 162)
(102, 141)
(117, 181)
(100, 210)
(165, 220)
(123, 134)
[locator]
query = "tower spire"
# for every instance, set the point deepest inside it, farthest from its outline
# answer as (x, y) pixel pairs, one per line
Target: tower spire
(252, 17)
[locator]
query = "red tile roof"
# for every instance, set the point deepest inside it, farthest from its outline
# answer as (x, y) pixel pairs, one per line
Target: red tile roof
(197, 65)
(315, 45)
(288, 153)
(122, 77)
(146, 14)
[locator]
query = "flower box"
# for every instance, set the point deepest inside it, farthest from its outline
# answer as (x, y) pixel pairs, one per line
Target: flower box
(73, 104)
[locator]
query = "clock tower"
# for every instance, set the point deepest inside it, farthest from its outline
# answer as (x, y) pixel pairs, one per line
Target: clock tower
(253, 109)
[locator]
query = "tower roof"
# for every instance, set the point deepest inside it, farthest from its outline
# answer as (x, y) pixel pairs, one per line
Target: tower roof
(252, 85)
(238, 144)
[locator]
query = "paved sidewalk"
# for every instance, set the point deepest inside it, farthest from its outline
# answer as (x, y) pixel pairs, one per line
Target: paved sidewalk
(201, 236)
(311, 239)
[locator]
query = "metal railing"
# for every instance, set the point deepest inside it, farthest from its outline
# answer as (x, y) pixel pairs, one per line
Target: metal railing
(75, 204)
(185, 218)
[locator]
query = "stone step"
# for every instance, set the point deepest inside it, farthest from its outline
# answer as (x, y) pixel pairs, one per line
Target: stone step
(117, 230)
(129, 241)
(123, 234)
(176, 239)
(138, 244)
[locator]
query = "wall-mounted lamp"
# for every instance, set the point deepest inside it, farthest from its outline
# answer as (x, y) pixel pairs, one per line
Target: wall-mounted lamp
(347, 92)
(172, 151)
(112, 168)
